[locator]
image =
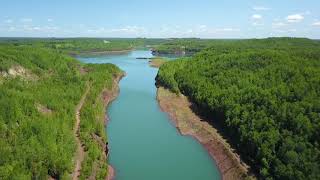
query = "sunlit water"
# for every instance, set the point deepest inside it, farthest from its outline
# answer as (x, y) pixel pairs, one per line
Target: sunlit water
(144, 145)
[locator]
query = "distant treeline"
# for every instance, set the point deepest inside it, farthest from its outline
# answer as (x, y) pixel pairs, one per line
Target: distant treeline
(76, 46)
(265, 96)
(191, 46)
(184, 46)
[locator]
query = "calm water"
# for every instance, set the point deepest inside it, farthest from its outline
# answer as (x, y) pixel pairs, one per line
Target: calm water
(144, 145)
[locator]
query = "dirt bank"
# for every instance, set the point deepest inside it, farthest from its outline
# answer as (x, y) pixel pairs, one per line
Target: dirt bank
(108, 95)
(111, 173)
(188, 123)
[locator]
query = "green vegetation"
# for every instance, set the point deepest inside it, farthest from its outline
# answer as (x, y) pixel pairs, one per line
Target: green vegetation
(39, 91)
(265, 96)
(92, 127)
(185, 47)
(76, 46)
(157, 62)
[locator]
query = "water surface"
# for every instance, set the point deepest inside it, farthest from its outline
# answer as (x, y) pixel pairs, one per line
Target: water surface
(144, 145)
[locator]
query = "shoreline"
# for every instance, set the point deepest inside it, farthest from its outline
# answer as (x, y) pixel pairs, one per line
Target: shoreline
(188, 123)
(108, 96)
(157, 62)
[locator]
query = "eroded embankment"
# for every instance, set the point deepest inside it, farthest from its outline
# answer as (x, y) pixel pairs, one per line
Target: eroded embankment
(188, 123)
(108, 96)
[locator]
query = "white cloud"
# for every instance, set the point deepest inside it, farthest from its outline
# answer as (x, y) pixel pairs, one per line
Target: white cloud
(49, 20)
(280, 31)
(260, 8)
(11, 29)
(196, 31)
(122, 30)
(285, 30)
(8, 21)
(278, 24)
(257, 24)
(256, 16)
(31, 29)
(227, 29)
(307, 12)
(128, 29)
(164, 31)
(25, 20)
(202, 28)
(316, 23)
(294, 18)
(36, 28)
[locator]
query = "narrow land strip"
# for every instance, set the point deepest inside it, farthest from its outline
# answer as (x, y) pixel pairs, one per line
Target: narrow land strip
(80, 150)
(108, 96)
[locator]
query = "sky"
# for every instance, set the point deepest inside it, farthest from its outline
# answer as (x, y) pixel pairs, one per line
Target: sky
(160, 19)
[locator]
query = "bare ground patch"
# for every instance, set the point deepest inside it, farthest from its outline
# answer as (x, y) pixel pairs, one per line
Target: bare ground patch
(19, 71)
(43, 109)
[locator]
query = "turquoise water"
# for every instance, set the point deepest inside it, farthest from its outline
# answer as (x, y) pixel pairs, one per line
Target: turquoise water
(144, 145)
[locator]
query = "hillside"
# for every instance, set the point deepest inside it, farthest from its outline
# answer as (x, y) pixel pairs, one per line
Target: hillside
(39, 92)
(264, 97)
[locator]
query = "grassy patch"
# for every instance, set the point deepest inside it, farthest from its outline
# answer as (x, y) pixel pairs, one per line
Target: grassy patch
(157, 62)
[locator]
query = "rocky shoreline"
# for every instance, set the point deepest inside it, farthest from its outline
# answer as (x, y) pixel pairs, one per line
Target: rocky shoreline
(108, 96)
(188, 123)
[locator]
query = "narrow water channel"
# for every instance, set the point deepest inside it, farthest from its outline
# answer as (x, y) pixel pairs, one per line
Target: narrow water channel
(144, 145)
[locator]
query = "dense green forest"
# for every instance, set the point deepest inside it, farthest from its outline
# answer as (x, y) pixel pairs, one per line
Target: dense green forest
(39, 91)
(265, 97)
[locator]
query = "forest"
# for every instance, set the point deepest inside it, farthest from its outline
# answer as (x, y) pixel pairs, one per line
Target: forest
(39, 91)
(185, 46)
(264, 95)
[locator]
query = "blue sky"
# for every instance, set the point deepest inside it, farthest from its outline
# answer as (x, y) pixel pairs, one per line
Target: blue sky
(165, 18)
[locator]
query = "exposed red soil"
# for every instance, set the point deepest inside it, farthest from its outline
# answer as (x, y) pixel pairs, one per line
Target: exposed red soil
(111, 173)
